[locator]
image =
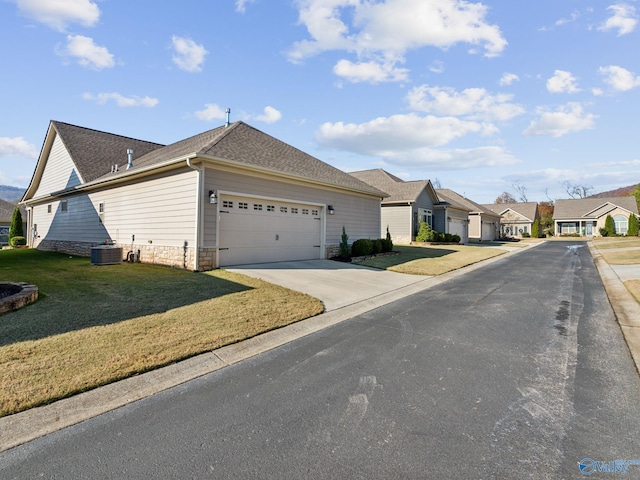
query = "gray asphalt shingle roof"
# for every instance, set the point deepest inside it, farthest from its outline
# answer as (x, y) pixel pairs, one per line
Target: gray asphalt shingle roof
(526, 209)
(591, 207)
(458, 200)
(94, 152)
(400, 191)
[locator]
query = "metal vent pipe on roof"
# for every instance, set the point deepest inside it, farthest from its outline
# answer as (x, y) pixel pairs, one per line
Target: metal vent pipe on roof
(228, 112)
(129, 158)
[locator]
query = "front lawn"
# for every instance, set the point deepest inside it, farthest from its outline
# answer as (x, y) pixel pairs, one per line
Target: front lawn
(433, 259)
(93, 325)
(616, 242)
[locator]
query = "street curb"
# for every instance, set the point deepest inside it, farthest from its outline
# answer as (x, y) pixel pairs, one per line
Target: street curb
(625, 307)
(37, 422)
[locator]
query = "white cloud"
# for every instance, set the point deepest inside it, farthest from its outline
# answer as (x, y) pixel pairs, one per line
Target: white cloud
(369, 72)
(562, 82)
(567, 119)
(17, 147)
(623, 19)
(619, 78)
(211, 112)
(476, 103)
(241, 5)
(370, 30)
(453, 159)
(87, 53)
(121, 100)
(57, 14)
(270, 115)
(399, 137)
(508, 79)
(437, 67)
(188, 56)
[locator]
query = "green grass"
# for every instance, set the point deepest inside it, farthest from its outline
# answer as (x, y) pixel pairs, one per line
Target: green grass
(93, 325)
(432, 260)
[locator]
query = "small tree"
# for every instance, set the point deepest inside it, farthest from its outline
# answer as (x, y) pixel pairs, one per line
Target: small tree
(424, 233)
(345, 250)
(535, 229)
(633, 226)
(610, 226)
(16, 229)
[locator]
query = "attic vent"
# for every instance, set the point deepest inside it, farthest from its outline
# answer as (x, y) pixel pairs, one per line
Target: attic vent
(129, 158)
(228, 112)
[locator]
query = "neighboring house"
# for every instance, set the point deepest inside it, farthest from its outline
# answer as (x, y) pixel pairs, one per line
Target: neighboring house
(484, 225)
(6, 213)
(408, 204)
(586, 216)
(231, 195)
(516, 218)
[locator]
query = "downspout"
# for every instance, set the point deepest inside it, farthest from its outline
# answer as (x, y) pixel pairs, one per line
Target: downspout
(196, 253)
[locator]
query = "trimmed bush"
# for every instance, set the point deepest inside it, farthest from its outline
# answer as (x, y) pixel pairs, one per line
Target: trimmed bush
(456, 238)
(603, 232)
(424, 233)
(345, 249)
(610, 226)
(362, 247)
(633, 226)
(535, 229)
(377, 246)
(387, 243)
(526, 235)
(17, 241)
(16, 229)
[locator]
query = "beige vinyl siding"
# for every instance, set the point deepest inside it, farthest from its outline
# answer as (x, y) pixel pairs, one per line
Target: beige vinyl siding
(360, 214)
(398, 218)
(603, 219)
(158, 211)
(60, 172)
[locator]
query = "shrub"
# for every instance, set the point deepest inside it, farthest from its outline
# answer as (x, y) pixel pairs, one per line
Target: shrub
(610, 226)
(435, 236)
(526, 235)
(345, 250)
(377, 246)
(362, 247)
(456, 238)
(16, 229)
(387, 243)
(603, 232)
(633, 226)
(17, 241)
(535, 229)
(424, 233)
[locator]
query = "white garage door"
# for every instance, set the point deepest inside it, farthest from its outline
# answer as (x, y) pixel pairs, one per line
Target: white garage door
(459, 227)
(488, 231)
(254, 230)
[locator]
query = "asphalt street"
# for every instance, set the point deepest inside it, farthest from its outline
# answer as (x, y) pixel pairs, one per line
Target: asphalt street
(514, 370)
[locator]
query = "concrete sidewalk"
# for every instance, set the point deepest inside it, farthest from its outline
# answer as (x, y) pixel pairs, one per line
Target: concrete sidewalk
(37, 422)
(625, 306)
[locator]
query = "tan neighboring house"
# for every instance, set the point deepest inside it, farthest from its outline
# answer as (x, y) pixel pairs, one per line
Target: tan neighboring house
(232, 195)
(408, 204)
(6, 213)
(516, 218)
(586, 216)
(484, 225)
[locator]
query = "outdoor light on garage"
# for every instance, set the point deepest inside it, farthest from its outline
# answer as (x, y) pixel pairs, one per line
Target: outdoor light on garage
(213, 198)
(330, 209)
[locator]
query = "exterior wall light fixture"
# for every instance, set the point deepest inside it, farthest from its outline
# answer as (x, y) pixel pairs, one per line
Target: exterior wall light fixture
(213, 198)
(330, 209)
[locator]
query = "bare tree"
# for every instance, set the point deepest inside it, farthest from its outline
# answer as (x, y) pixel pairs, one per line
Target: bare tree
(506, 197)
(522, 191)
(575, 190)
(436, 184)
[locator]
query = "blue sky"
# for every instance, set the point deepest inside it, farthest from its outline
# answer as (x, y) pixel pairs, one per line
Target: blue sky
(480, 96)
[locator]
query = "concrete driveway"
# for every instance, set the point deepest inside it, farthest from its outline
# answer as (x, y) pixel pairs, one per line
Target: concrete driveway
(336, 284)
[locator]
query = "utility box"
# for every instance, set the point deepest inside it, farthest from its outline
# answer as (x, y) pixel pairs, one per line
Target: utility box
(106, 255)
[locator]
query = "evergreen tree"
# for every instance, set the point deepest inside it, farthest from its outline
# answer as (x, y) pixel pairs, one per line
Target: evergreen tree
(424, 234)
(16, 229)
(633, 226)
(345, 249)
(535, 229)
(610, 226)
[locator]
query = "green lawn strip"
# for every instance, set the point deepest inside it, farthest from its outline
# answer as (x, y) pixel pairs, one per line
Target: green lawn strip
(616, 242)
(94, 325)
(432, 260)
(628, 257)
(634, 287)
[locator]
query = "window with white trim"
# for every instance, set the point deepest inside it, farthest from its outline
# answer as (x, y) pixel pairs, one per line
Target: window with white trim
(622, 224)
(243, 205)
(63, 206)
(257, 206)
(271, 208)
(227, 204)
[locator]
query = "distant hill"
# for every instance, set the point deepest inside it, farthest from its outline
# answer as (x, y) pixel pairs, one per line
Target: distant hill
(618, 192)
(11, 194)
